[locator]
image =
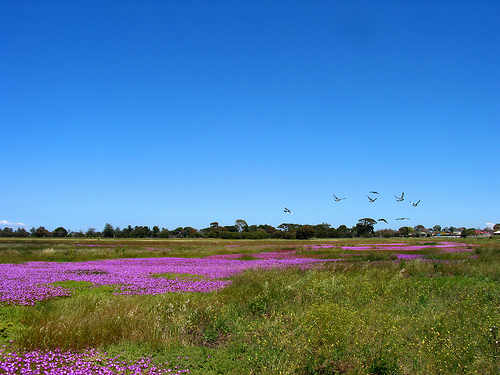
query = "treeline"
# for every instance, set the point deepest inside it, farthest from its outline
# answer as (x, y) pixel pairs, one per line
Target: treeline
(241, 230)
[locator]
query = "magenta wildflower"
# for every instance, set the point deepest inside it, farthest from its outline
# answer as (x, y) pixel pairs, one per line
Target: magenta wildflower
(90, 361)
(30, 282)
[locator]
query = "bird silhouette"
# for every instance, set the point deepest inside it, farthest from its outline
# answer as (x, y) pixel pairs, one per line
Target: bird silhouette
(287, 210)
(403, 218)
(373, 192)
(415, 204)
(401, 198)
(385, 221)
(371, 199)
(337, 199)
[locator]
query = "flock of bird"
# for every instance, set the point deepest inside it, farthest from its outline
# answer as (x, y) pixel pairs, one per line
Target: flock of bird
(371, 200)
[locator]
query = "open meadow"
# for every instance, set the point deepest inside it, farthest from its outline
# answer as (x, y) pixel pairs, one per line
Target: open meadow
(346, 306)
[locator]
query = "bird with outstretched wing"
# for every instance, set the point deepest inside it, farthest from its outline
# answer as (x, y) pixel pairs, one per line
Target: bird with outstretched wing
(337, 199)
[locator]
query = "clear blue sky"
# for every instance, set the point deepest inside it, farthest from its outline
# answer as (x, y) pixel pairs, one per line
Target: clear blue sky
(182, 113)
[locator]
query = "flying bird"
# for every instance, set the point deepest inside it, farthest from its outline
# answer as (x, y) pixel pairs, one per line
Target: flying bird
(403, 218)
(371, 199)
(373, 192)
(415, 204)
(401, 198)
(287, 210)
(337, 199)
(385, 221)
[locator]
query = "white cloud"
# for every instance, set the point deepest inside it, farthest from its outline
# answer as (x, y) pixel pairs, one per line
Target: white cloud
(5, 223)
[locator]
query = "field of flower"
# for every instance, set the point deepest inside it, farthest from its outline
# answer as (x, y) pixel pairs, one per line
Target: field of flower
(350, 306)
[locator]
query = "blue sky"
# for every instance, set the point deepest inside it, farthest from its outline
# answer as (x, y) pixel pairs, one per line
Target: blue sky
(182, 113)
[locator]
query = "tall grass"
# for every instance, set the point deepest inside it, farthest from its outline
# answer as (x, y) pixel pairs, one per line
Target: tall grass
(382, 317)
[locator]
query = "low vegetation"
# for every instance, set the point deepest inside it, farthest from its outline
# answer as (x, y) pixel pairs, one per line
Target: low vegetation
(417, 309)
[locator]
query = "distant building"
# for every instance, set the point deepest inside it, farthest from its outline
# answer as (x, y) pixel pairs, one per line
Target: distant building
(481, 233)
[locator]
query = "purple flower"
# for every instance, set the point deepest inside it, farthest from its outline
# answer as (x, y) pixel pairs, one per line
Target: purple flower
(30, 282)
(90, 361)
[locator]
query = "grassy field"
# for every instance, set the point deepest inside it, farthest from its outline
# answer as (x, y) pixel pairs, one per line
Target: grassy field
(375, 307)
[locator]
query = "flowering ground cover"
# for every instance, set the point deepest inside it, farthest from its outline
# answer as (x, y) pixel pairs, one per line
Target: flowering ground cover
(442, 246)
(30, 282)
(402, 251)
(90, 361)
(338, 252)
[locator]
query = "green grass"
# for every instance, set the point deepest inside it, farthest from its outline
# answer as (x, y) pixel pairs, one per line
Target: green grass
(365, 316)
(87, 288)
(170, 275)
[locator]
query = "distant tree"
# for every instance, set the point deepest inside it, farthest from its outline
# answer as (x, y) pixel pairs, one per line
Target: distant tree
(385, 233)
(108, 231)
(496, 227)
(285, 235)
(118, 233)
(41, 232)
(127, 231)
(405, 231)
(304, 232)
(231, 228)
(332, 233)
(178, 232)
(286, 231)
(21, 232)
(6, 232)
(365, 226)
(155, 232)
(60, 232)
(354, 231)
(288, 227)
(140, 232)
(233, 234)
(257, 234)
(419, 228)
(320, 230)
(437, 228)
(78, 234)
(241, 225)
(343, 231)
(210, 233)
(190, 232)
(164, 233)
(325, 230)
(267, 228)
(91, 232)
(468, 232)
